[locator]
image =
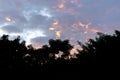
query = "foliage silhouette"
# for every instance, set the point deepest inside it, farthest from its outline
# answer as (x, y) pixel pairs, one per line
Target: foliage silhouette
(58, 45)
(16, 56)
(103, 50)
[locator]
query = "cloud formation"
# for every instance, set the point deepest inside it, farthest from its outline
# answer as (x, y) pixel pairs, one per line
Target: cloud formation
(37, 21)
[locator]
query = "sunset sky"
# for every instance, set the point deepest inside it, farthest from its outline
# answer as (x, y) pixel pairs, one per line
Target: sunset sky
(37, 21)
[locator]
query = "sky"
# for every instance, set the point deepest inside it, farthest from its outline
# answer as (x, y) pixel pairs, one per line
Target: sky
(37, 21)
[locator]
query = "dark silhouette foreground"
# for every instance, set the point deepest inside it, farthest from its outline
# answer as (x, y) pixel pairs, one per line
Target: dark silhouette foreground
(16, 56)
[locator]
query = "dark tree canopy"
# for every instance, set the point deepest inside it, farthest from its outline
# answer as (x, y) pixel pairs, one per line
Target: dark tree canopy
(15, 55)
(103, 50)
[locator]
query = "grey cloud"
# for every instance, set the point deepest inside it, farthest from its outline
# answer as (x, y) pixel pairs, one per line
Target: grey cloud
(44, 2)
(14, 15)
(40, 40)
(37, 19)
(44, 40)
(38, 23)
(12, 29)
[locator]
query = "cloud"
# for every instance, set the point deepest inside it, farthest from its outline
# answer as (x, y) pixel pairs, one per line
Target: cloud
(40, 40)
(11, 29)
(31, 18)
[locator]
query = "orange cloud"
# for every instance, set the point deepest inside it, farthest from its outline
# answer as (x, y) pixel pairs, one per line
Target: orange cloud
(58, 34)
(8, 19)
(94, 30)
(51, 28)
(55, 23)
(61, 6)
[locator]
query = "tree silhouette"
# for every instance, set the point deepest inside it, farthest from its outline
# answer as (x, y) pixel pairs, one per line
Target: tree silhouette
(16, 56)
(4, 53)
(103, 50)
(11, 52)
(58, 45)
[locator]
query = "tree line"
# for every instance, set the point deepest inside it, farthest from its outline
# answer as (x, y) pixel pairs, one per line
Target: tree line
(101, 51)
